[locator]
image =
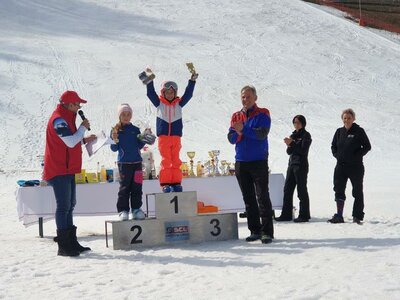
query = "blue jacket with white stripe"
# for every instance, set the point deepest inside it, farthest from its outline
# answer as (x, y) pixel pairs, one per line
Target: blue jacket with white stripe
(169, 114)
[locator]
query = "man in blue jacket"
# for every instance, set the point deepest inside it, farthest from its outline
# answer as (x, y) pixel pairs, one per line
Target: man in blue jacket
(249, 132)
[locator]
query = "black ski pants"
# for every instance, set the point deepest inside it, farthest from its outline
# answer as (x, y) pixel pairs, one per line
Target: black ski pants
(296, 175)
(130, 186)
(355, 173)
(253, 181)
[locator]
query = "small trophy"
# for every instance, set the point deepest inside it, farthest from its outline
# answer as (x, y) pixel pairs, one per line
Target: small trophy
(115, 130)
(224, 168)
(146, 76)
(191, 68)
(191, 155)
(211, 164)
(216, 168)
(231, 167)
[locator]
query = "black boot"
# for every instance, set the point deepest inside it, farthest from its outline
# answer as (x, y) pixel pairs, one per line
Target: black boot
(75, 243)
(65, 247)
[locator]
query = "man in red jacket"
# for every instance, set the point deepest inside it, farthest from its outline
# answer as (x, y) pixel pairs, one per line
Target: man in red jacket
(62, 160)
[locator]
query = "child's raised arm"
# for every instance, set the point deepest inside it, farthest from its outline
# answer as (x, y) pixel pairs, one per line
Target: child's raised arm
(188, 93)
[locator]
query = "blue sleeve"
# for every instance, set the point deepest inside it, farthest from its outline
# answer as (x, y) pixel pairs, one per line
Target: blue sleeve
(260, 132)
(152, 95)
(232, 136)
(188, 93)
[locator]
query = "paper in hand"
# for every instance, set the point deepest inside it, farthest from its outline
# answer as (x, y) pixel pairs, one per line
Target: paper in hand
(101, 140)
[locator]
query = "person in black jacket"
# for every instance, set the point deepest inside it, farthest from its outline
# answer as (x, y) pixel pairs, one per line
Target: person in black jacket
(298, 145)
(350, 143)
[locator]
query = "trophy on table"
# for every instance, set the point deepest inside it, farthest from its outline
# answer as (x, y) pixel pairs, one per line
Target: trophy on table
(211, 164)
(216, 168)
(191, 155)
(231, 169)
(224, 168)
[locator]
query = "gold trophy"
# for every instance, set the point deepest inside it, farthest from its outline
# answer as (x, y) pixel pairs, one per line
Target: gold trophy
(191, 68)
(115, 130)
(191, 155)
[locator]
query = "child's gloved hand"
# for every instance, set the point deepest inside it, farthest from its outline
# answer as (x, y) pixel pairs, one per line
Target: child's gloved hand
(194, 76)
(147, 137)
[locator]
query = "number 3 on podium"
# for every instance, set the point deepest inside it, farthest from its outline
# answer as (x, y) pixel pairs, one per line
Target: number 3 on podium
(217, 229)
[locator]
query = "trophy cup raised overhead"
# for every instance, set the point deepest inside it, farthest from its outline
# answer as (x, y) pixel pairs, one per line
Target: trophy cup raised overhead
(216, 168)
(191, 68)
(191, 155)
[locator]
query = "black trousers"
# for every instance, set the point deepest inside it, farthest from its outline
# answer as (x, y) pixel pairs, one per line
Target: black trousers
(356, 175)
(253, 181)
(296, 175)
(130, 186)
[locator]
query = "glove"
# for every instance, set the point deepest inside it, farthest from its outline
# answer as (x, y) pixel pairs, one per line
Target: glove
(147, 137)
(194, 76)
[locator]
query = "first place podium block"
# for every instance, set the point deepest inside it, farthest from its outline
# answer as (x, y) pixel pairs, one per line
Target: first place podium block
(176, 221)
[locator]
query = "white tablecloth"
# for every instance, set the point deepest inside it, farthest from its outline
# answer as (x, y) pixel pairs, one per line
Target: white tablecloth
(101, 198)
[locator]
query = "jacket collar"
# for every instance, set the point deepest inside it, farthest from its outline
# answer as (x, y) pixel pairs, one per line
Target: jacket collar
(172, 103)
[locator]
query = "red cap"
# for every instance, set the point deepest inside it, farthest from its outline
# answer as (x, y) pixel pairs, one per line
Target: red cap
(71, 97)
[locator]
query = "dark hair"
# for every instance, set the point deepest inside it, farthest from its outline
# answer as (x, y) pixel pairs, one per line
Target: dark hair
(301, 118)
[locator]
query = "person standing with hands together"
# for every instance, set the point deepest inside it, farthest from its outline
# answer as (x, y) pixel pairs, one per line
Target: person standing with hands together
(298, 145)
(62, 160)
(249, 133)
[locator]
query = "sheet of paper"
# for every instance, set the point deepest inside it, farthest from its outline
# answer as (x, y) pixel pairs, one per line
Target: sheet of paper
(94, 146)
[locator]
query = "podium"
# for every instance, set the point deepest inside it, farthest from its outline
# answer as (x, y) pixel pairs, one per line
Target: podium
(176, 221)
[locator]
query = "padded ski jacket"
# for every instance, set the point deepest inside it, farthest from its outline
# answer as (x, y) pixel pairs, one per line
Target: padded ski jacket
(129, 145)
(298, 149)
(349, 146)
(59, 159)
(169, 114)
(252, 145)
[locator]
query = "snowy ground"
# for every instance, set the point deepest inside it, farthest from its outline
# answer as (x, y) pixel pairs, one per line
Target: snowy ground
(301, 59)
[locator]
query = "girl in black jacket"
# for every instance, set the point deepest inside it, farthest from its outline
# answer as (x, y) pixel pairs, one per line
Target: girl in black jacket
(298, 145)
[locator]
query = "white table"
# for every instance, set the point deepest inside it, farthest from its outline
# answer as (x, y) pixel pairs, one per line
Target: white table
(35, 204)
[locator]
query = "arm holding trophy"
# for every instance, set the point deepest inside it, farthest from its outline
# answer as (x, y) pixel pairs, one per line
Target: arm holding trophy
(190, 87)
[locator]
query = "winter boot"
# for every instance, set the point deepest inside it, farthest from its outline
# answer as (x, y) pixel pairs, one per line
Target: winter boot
(254, 236)
(75, 242)
(336, 219)
(266, 239)
(65, 247)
